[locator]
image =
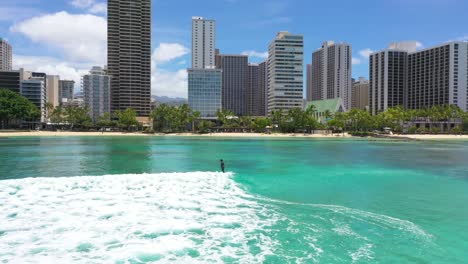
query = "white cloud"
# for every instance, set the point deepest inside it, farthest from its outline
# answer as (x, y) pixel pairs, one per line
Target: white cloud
(165, 82)
(99, 8)
(252, 53)
(82, 39)
(356, 61)
(79, 37)
(82, 3)
(365, 53)
(169, 51)
(171, 84)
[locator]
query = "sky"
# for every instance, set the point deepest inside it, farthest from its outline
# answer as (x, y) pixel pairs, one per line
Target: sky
(68, 37)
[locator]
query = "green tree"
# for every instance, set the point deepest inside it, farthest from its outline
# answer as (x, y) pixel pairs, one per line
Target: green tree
(16, 107)
(260, 124)
(338, 122)
(105, 120)
(55, 115)
(359, 120)
(227, 118)
(78, 117)
(126, 119)
(205, 126)
(168, 119)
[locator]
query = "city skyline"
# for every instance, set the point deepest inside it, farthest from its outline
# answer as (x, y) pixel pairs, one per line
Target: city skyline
(61, 55)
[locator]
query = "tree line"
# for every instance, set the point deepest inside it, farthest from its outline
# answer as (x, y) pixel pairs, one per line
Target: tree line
(172, 119)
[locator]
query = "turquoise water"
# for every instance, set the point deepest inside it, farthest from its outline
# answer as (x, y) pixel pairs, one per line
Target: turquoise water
(143, 200)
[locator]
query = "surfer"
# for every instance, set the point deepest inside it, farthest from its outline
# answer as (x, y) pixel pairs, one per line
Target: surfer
(222, 165)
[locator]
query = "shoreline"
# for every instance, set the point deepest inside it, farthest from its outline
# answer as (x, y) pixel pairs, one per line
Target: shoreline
(216, 135)
(119, 134)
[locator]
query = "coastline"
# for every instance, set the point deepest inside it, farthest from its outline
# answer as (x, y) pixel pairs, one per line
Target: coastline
(216, 135)
(107, 134)
(432, 137)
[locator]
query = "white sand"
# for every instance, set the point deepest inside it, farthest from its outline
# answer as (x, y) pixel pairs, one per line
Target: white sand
(433, 137)
(67, 133)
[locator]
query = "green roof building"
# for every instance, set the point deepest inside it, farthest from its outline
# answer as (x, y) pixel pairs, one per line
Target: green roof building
(323, 108)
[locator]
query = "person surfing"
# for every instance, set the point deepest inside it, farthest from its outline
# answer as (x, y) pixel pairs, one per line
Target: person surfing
(222, 165)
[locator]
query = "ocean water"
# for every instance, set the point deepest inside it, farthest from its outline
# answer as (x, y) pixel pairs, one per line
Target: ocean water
(163, 200)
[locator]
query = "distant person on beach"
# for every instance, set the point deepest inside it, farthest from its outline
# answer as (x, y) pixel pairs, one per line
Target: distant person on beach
(222, 165)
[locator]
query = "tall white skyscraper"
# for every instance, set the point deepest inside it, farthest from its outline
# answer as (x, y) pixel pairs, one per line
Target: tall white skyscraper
(5, 56)
(203, 43)
(331, 72)
(286, 72)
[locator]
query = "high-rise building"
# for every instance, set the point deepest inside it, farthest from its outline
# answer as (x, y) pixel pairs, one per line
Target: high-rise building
(96, 89)
(203, 43)
(129, 54)
(52, 88)
(11, 80)
(205, 91)
(309, 83)
(360, 94)
(286, 72)
(438, 76)
(403, 76)
(331, 72)
(388, 77)
(262, 98)
(66, 91)
(204, 80)
(252, 88)
(34, 90)
(235, 69)
(6, 56)
(256, 92)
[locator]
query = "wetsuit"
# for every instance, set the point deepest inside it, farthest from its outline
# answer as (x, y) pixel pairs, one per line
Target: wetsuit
(222, 166)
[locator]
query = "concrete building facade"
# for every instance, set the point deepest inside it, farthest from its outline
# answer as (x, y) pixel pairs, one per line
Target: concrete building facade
(331, 73)
(129, 54)
(203, 43)
(360, 94)
(52, 90)
(66, 89)
(262, 99)
(257, 92)
(235, 69)
(403, 76)
(309, 82)
(285, 72)
(97, 92)
(6, 56)
(205, 91)
(387, 79)
(438, 76)
(252, 87)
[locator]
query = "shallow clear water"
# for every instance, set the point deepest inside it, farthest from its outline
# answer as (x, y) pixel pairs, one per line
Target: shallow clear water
(142, 200)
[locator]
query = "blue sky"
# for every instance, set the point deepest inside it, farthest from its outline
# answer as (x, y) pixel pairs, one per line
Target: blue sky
(69, 36)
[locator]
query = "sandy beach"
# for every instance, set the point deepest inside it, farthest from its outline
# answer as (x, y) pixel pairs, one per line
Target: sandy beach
(251, 135)
(433, 137)
(93, 134)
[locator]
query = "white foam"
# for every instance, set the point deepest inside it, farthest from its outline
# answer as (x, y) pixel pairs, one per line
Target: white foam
(190, 217)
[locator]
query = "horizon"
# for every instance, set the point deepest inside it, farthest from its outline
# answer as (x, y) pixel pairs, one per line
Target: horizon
(44, 38)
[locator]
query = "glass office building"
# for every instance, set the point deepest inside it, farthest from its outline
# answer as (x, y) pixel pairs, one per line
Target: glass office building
(205, 91)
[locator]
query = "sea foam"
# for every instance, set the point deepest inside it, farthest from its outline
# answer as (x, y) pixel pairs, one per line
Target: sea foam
(197, 217)
(194, 217)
